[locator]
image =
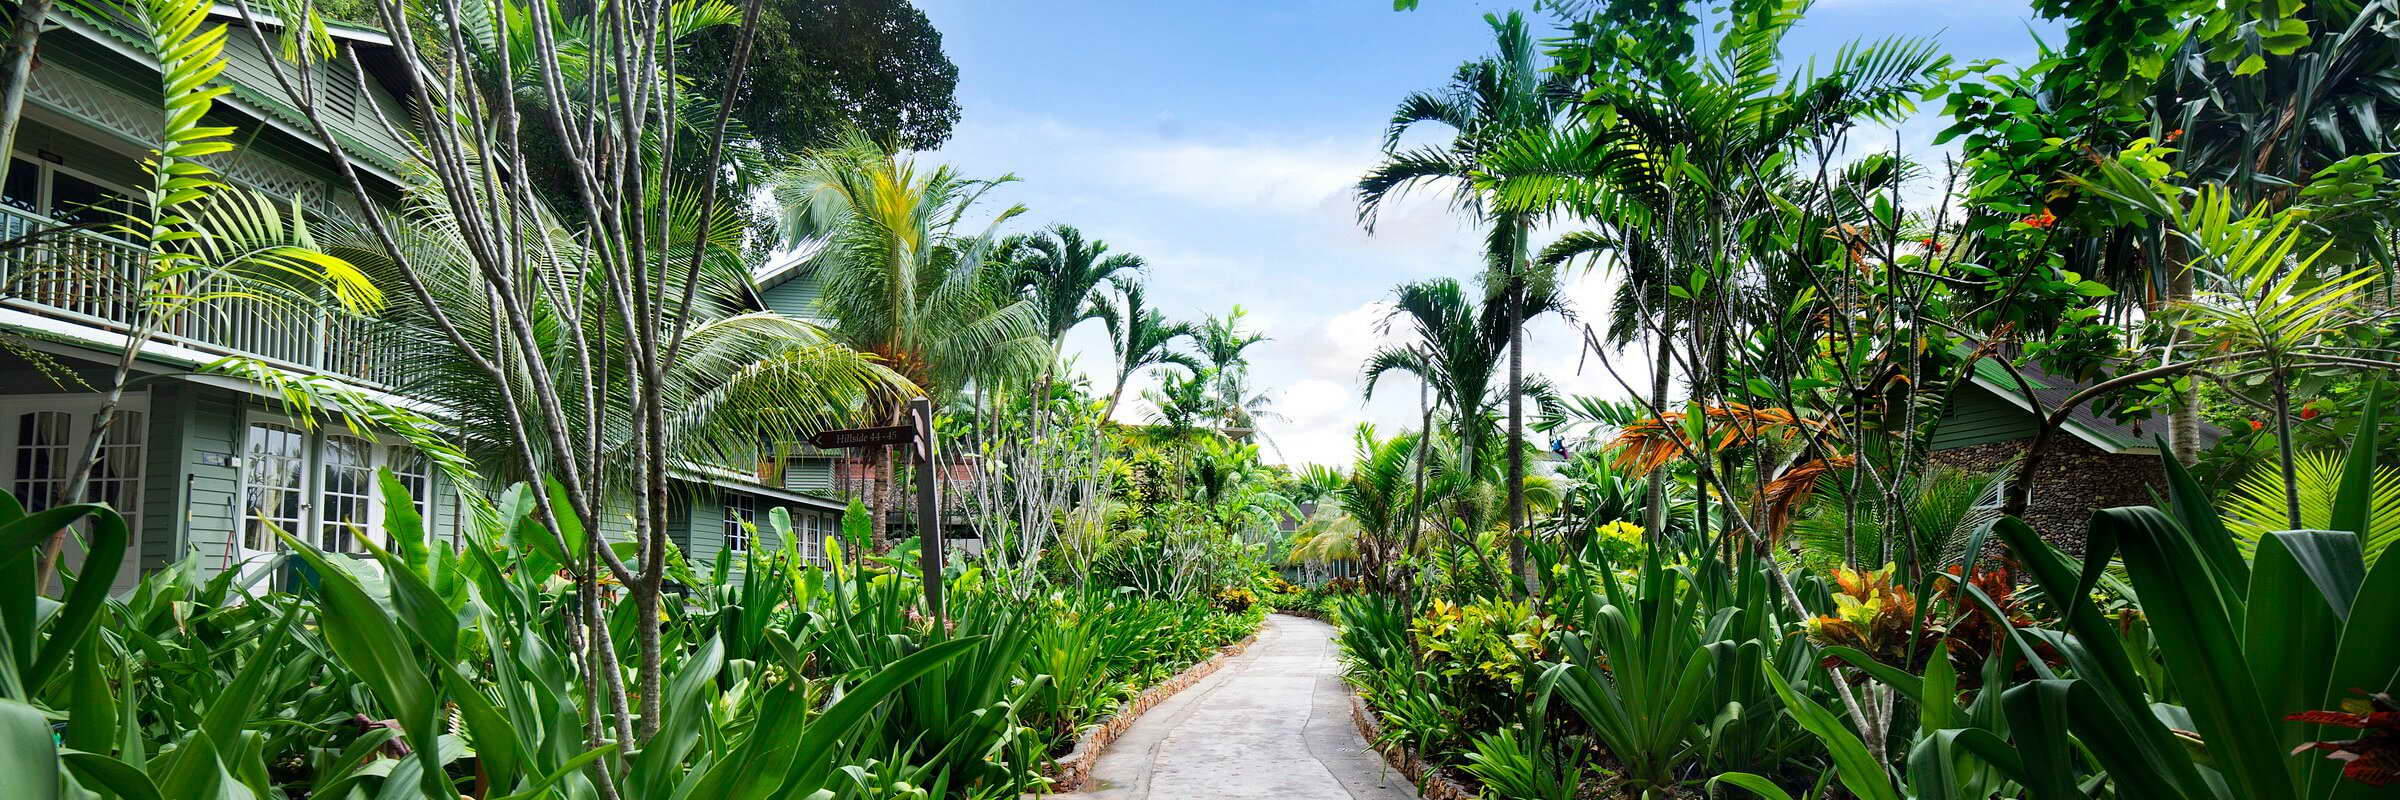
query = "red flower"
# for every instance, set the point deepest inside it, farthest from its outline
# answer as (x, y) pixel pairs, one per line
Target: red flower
(2308, 413)
(2374, 757)
(1930, 243)
(2255, 424)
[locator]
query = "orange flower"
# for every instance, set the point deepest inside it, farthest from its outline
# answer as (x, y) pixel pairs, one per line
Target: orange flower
(2255, 424)
(2041, 220)
(1934, 245)
(2308, 413)
(2172, 136)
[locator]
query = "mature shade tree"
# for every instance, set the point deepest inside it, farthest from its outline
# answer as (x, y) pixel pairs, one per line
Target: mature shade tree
(1139, 336)
(1489, 101)
(823, 66)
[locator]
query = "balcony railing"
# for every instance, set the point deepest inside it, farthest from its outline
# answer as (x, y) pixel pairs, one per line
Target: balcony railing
(94, 279)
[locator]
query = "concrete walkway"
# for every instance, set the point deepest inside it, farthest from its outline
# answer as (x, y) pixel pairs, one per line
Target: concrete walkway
(1273, 723)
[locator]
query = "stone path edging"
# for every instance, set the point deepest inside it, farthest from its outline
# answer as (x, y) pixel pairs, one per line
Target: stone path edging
(1069, 772)
(1431, 783)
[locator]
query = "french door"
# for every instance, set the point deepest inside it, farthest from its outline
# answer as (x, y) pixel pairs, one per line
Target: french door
(44, 436)
(319, 487)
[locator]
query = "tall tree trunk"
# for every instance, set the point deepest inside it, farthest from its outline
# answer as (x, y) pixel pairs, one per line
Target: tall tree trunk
(2183, 419)
(24, 39)
(1114, 395)
(1654, 511)
(2283, 447)
(1416, 499)
(79, 479)
(1519, 560)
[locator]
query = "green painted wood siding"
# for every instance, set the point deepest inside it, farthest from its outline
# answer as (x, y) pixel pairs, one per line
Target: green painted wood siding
(212, 424)
(163, 506)
(797, 297)
(351, 115)
(702, 530)
(1980, 417)
(809, 475)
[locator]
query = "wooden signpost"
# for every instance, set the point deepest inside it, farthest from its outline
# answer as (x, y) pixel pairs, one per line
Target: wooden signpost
(918, 436)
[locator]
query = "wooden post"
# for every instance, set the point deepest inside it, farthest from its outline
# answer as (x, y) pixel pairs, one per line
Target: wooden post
(929, 510)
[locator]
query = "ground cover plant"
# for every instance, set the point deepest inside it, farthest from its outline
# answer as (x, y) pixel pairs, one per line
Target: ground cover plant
(428, 672)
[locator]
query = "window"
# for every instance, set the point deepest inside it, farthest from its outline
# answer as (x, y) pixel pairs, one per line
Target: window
(344, 485)
(813, 529)
(117, 475)
(43, 447)
(322, 486)
(741, 521)
(415, 473)
(49, 439)
(274, 484)
(44, 188)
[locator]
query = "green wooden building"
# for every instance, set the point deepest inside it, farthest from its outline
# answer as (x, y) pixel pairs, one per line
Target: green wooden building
(207, 466)
(2092, 463)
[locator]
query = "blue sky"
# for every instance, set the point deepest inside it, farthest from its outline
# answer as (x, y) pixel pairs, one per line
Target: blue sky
(1219, 140)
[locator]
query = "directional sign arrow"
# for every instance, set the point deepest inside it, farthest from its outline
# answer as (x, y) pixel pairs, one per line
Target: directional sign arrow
(864, 437)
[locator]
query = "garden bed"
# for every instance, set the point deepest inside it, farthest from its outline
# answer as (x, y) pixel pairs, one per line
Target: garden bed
(1433, 781)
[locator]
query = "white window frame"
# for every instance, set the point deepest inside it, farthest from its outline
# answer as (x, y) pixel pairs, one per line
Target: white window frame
(79, 409)
(45, 184)
(306, 520)
(741, 521)
(312, 487)
(332, 535)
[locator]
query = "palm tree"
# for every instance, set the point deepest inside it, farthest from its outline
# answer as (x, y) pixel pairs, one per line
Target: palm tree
(1061, 272)
(1221, 343)
(903, 281)
(1138, 335)
(1489, 101)
(743, 377)
(1182, 405)
(1724, 115)
(1376, 497)
(2262, 132)
(1454, 344)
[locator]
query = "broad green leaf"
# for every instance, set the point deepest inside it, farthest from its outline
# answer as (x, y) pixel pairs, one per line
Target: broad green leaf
(28, 756)
(1859, 770)
(2353, 497)
(1757, 785)
(2202, 649)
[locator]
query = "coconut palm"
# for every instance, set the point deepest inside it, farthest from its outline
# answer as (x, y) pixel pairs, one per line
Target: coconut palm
(905, 279)
(1062, 272)
(743, 376)
(1489, 101)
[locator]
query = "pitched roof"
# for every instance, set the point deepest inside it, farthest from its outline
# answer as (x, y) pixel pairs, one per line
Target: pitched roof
(2050, 391)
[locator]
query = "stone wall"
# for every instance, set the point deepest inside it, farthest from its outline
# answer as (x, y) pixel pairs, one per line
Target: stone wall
(2076, 479)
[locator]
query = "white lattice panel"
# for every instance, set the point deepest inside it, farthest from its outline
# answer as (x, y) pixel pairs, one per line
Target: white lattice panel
(99, 104)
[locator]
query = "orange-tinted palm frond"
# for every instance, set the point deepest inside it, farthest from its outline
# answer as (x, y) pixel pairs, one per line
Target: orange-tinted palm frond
(1791, 490)
(1652, 443)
